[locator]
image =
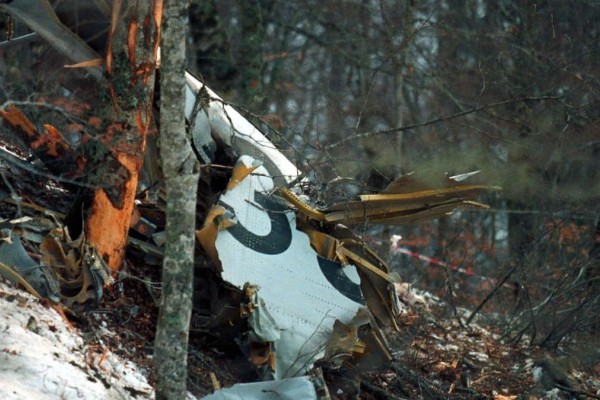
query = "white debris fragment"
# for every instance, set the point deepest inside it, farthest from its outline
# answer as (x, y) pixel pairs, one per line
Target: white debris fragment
(395, 240)
(410, 296)
(42, 358)
(482, 357)
(554, 394)
(231, 128)
(304, 387)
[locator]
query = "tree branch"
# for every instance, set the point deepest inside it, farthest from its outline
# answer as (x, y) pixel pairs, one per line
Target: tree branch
(366, 135)
(39, 16)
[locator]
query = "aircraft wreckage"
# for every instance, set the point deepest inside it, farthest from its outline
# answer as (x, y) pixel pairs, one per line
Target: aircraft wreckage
(292, 282)
(312, 289)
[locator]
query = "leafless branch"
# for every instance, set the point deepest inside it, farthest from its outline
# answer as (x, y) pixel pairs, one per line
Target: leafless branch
(472, 110)
(39, 16)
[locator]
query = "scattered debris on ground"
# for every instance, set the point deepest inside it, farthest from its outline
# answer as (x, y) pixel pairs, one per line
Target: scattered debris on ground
(108, 354)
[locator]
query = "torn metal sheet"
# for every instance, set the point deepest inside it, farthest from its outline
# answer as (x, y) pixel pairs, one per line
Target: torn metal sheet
(68, 271)
(199, 125)
(81, 273)
(231, 128)
(264, 325)
(304, 387)
(300, 295)
(406, 200)
(340, 245)
(14, 258)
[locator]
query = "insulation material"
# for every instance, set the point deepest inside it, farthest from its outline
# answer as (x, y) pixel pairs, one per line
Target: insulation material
(218, 218)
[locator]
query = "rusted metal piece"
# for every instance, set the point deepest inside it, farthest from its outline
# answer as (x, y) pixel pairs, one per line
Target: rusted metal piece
(407, 200)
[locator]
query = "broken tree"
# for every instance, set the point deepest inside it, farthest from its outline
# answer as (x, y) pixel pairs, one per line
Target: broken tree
(133, 43)
(116, 139)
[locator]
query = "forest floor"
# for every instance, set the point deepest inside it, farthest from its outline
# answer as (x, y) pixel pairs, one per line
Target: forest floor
(435, 357)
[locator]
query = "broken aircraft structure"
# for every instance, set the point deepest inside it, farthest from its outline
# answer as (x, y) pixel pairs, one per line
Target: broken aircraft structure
(312, 290)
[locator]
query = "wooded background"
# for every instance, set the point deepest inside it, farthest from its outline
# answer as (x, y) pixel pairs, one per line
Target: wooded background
(359, 92)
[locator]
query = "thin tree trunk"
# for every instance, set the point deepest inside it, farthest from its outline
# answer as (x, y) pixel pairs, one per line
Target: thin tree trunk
(181, 172)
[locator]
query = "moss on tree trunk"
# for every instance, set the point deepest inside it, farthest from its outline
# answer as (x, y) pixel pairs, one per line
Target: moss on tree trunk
(181, 172)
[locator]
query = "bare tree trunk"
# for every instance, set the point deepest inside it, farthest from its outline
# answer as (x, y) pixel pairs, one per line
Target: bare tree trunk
(181, 173)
